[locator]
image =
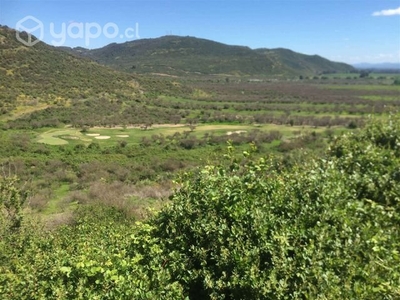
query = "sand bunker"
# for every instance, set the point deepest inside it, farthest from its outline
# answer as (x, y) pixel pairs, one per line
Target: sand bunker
(92, 134)
(237, 131)
(70, 137)
(102, 137)
(122, 135)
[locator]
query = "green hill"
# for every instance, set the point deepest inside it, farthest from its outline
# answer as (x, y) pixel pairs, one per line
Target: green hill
(304, 64)
(51, 82)
(177, 55)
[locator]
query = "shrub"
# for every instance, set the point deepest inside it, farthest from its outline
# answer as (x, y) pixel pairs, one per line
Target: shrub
(245, 228)
(11, 201)
(327, 228)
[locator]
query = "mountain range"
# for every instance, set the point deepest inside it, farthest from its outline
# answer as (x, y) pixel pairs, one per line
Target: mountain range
(182, 56)
(33, 78)
(378, 66)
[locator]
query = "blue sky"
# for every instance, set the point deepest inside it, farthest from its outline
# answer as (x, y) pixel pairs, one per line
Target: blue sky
(342, 30)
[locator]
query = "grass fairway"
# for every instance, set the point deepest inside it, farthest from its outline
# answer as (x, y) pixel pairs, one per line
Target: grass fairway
(64, 136)
(61, 136)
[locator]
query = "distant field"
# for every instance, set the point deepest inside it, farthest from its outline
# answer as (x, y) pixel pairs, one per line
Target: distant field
(134, 135)
(364, 87)
(381, 98)
(352, 75)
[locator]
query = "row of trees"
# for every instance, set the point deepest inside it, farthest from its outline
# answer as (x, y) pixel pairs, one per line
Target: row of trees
(188, 140)
(102, 112)
(97, 112)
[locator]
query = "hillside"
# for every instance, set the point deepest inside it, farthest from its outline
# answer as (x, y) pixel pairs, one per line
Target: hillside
(43, 77)
(304, 64)
(177, 55)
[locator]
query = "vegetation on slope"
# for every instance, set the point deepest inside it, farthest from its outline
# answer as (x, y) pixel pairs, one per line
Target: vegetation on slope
(302, 64)
(177, 55)
(42, 76)
(245, 228)
(327, 102)
(42, 86)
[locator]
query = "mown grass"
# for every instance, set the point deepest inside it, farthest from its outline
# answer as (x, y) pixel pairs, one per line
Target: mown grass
(64, 136)
(60, 136)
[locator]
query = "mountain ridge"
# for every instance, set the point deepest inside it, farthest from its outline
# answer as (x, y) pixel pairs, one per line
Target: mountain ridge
(181, 55)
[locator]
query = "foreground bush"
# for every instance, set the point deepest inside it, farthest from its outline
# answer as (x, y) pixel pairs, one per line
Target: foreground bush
(244, 229)
(98, 257)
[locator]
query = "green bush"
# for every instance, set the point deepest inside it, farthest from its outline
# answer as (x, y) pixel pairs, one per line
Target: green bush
(327, 228)
(11, 202)
(98, 257)
(245, 228)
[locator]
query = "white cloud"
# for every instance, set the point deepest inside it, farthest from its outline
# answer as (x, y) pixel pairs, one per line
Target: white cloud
(387, 12)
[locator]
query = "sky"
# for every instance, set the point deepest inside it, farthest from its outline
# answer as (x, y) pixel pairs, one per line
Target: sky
(351, 31)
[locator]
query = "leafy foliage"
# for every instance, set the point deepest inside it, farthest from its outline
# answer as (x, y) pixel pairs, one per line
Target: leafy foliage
(96, 258)
(11, 200)
(246, 228)
(250, 232)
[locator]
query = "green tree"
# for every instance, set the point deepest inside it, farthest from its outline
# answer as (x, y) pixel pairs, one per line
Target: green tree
(364, 74)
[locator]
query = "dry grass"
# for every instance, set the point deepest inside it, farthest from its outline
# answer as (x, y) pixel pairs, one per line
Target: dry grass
(133, 200)
(25, 109)
(38, 202)
(156, 191)
(55, 220)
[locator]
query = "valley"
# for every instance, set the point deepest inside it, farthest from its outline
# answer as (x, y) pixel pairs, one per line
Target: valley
(161, 135)
(171, 169)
